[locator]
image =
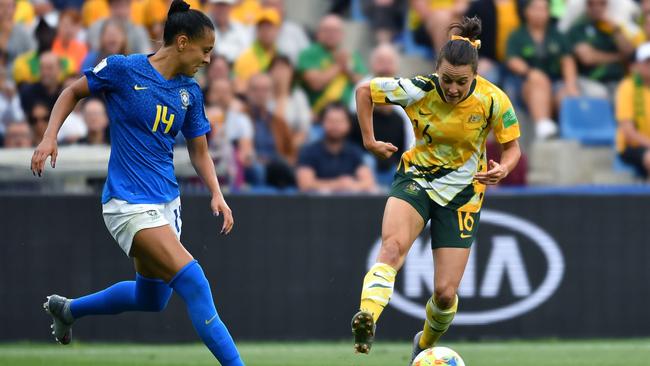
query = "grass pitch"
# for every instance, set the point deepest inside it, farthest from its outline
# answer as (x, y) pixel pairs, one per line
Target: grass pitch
(635, 352)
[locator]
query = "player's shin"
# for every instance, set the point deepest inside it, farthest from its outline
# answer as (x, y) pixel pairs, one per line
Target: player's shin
(193, 287)
(377, 289)
(437, 322)
(143, 294)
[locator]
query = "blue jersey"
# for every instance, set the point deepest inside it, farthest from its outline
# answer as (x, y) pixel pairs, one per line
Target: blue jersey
(146, 112)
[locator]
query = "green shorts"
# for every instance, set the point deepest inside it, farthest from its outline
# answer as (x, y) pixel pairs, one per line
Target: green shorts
(449, 228)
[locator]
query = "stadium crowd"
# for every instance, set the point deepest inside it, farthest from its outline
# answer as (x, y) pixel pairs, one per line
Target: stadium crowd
(280, 96)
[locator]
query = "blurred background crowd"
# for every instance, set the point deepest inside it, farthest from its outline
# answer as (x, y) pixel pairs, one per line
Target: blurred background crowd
(279, 91)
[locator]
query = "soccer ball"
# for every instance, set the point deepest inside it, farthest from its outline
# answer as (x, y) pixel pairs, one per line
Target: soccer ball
(438, 356)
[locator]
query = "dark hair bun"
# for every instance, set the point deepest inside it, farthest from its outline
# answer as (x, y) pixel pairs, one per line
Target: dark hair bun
(468, 28)
(178, 6)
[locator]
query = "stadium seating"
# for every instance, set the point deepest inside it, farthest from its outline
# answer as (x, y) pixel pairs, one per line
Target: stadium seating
(587, 120)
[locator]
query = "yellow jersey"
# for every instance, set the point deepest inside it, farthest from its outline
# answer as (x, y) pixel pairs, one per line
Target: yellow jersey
(632, 104)
(450, 139)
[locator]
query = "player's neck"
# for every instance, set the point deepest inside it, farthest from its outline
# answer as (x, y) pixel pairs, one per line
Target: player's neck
(165, 63)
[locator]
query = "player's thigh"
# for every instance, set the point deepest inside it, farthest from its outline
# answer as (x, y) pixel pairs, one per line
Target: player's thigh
(452, 235)
(159, 253)
(449, 266)
(401, 225)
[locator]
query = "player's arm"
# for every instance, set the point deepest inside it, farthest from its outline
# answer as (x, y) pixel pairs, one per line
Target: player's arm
(365, 105)
(64, 105)
(204, 167)
(497, 171)
(505, 126)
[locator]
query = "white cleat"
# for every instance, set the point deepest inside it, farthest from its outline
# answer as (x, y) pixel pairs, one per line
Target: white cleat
(59, 308)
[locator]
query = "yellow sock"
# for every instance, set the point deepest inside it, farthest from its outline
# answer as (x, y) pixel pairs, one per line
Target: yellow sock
(437, 322)
(377, 289)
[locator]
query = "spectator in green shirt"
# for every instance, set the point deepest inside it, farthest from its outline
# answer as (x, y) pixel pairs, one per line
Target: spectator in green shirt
(329, 72)
(602, 49)
(541, 56)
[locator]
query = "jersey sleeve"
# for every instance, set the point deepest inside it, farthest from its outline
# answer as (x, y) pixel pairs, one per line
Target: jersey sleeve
(503, 118)
(106, 75)
(196, 123)
(399, 91)
(625, 101)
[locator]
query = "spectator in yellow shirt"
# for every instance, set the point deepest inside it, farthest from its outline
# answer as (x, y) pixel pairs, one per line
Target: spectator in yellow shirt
(633, 114)
(258, 56)
(27, 66)
(247, 11)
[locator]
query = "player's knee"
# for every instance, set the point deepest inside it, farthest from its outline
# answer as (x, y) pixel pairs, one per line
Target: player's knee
(444, 296)
(392, 253)
(152, 295)
(161, 303)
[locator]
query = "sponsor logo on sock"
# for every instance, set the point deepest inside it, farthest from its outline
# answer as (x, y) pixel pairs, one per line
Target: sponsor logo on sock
(380, 276)
(211, 319)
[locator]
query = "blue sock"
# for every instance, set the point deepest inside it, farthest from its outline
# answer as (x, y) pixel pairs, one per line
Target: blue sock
(190, 283)
(143, 294)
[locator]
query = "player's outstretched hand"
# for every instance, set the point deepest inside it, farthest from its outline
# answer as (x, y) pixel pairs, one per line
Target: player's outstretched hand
(47, 147)
(219, 206)
(380, 149)
(494, 175)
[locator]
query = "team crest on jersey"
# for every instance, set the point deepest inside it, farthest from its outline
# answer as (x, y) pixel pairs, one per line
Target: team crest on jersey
(412, 188)
(185, 98)
(474, 118)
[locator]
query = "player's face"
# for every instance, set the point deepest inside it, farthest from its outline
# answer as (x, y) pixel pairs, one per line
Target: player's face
(455, 81)
(197, 52)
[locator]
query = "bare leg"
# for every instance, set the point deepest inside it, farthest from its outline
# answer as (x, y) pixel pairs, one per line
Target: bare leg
(449, 268)
(441, 308)
(400, 227)
(158, 253)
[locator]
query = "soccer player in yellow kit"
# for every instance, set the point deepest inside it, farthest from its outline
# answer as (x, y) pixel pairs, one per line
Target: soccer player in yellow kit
(442, 178)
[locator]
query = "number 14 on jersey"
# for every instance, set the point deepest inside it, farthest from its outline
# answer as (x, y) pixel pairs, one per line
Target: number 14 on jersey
(161, 115)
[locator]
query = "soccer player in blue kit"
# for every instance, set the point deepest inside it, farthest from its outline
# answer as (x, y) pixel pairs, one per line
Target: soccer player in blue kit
(149, 100)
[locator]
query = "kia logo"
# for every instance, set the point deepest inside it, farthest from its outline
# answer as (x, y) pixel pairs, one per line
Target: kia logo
(505, 266)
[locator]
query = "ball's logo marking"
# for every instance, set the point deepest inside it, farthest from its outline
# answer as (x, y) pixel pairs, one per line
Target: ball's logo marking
(505, 265)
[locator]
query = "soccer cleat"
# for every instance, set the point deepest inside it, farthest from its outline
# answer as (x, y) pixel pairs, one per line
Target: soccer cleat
(59, 308)
(363, 329)
(416, 347)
